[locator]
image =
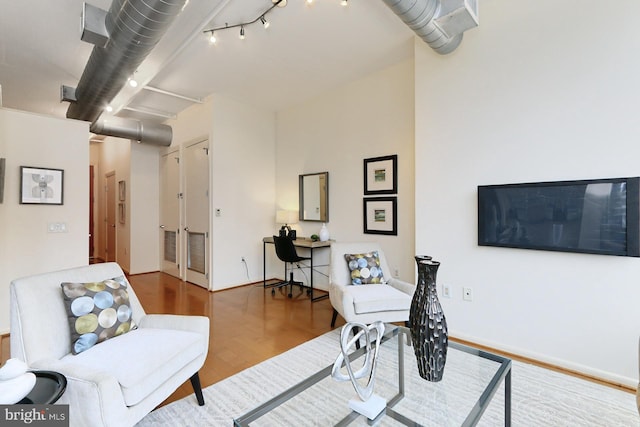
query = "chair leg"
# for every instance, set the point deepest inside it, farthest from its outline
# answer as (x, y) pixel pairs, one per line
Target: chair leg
(334, 317)
(291, 284)
(197, 388)
(355, 332)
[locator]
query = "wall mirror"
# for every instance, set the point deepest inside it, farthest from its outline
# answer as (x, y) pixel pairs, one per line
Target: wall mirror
(314, 197)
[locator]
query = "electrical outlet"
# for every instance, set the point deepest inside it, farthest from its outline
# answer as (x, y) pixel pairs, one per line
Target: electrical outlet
(467, 294)
(396, 273)
(446, 291)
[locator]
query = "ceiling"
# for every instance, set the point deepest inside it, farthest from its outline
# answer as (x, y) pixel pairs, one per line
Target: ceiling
(307, 50)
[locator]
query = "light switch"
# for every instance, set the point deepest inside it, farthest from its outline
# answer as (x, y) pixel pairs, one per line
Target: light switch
(57, 227)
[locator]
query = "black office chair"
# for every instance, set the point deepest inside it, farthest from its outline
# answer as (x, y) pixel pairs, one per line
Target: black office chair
(286, 251)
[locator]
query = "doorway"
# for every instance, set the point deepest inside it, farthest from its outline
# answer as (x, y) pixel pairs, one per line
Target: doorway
(184, 213)
(170, 197)
(196, 213)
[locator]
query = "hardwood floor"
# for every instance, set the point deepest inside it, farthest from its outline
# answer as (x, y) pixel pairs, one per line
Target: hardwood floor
(248, 324)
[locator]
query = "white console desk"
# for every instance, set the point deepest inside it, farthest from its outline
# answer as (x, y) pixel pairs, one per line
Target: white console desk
(300, 242)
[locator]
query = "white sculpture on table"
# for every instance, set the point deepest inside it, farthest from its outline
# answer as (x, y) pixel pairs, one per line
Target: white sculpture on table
(368, 404)
(15, 381)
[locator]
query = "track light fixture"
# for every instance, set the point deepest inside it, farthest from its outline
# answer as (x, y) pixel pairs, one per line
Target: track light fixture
(262, 18)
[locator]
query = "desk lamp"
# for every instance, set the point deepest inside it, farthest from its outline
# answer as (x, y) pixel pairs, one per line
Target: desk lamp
(286, 218)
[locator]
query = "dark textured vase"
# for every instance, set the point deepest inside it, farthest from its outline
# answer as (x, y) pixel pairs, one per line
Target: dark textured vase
(427, 322)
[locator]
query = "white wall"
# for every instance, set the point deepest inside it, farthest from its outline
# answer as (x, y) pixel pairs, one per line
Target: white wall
(26, 247)
(541, 91)
(243, 187)
(370, 117)
(242, 155)
(144, 223)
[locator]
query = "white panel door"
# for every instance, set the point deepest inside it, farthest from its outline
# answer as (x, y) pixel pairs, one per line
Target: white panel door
(170, 258)
(196, 205)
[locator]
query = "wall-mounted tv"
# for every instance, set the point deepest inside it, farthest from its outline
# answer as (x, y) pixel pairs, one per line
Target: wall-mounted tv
(598, 216)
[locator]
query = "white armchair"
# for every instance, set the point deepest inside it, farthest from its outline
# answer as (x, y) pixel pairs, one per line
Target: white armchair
(365, 304)
(118, 381)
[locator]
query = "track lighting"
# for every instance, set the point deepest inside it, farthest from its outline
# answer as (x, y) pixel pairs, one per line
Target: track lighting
(262, 18)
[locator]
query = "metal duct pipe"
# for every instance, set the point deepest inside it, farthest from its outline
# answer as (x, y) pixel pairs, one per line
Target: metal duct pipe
(134, 27)
(420, 16)
(151, 133)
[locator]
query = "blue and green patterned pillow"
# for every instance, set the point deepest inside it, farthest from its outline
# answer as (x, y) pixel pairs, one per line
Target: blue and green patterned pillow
(365, 268)
(97, 311)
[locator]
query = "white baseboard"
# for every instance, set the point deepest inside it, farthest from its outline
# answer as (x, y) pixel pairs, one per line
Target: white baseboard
(560, 363)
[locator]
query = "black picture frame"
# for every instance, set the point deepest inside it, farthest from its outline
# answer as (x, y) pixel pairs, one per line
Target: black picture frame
(381, 175)
(380, 215)
(41, 186)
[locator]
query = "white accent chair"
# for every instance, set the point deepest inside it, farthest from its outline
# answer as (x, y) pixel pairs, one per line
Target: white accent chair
(116, 382)
(366, 304)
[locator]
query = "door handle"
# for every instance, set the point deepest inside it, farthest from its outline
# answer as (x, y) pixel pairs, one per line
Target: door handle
(186, 229)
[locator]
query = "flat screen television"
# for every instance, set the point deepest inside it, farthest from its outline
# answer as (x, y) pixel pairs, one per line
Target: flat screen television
(598, 216)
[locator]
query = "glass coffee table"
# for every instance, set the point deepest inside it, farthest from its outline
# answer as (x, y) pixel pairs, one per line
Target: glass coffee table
(471, 379)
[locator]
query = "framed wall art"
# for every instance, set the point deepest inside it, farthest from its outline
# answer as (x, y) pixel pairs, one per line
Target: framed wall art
(2, 168)
(41, 186)
(122, 213)
(122, 191)
(381, 175)
(380, 215)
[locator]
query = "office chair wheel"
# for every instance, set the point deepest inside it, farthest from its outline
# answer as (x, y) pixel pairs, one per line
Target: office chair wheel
(273, 291)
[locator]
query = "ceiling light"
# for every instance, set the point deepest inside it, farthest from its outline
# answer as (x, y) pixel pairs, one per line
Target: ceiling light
(309, 1)
(262, 18)
(212, 38)
(344, 3)
(109, 108)
(133, 82)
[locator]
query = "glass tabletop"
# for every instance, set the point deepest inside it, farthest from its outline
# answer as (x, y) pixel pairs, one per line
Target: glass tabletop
(471, 378)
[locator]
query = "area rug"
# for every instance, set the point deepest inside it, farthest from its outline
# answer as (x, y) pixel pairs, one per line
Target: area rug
(540, 397)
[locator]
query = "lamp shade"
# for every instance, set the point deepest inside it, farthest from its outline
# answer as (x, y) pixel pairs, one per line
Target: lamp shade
(286, 217)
